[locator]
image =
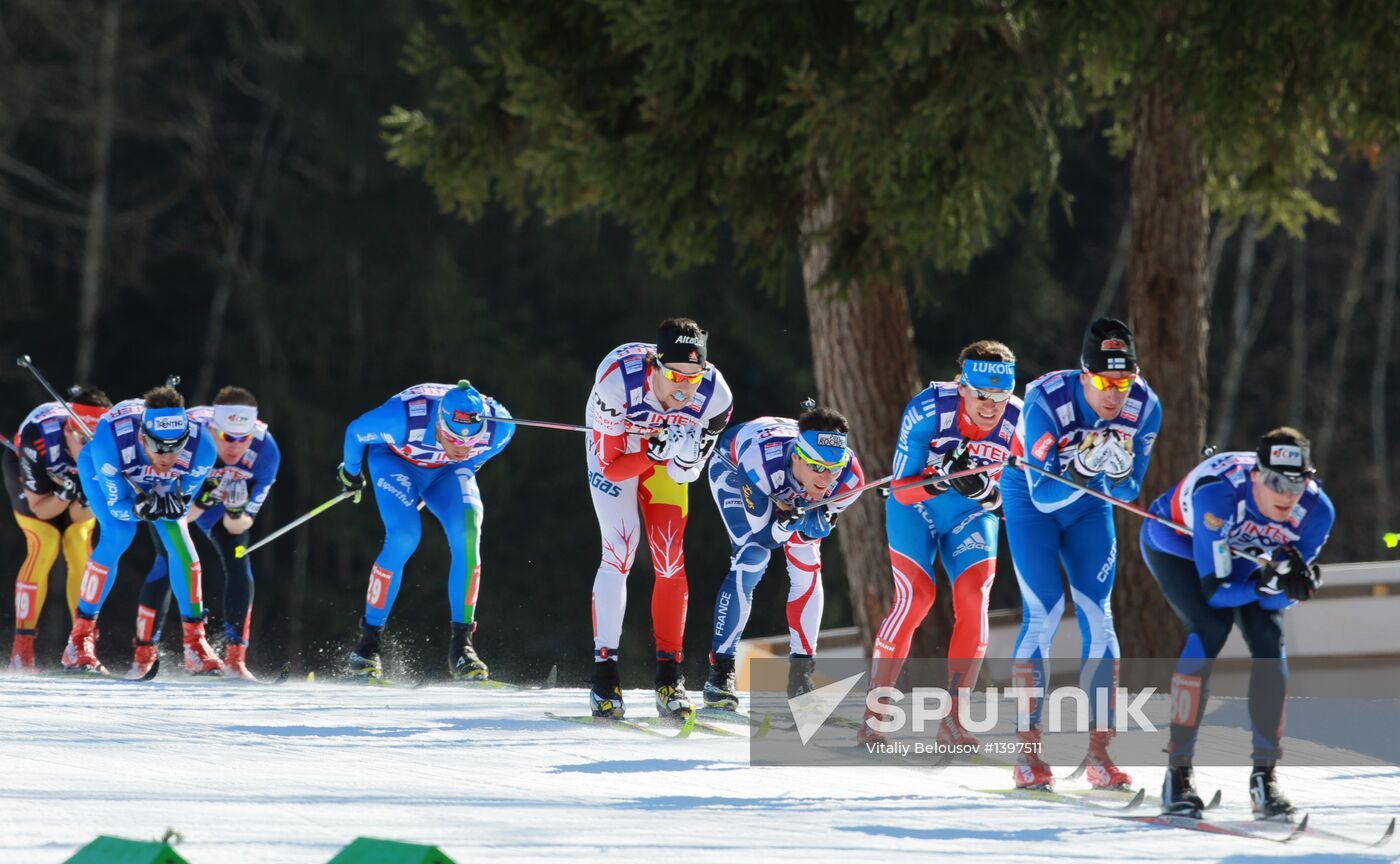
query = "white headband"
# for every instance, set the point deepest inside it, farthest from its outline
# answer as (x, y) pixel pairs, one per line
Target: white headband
(235, 419)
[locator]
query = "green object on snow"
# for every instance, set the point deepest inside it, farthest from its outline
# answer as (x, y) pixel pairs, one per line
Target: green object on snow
(367, 850)
(115, 850)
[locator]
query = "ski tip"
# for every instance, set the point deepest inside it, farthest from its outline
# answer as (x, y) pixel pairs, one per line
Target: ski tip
(688, 726)
(1215, 801)
(152, 672)
(310, 677)
(552, 680)
(1389, 832)
(1079, 772)
(1137, 800)
(765, 725)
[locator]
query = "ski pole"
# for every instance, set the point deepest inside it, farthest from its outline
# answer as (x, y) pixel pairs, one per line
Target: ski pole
(913, 481)
(543, 424)
(240, 551)
(1020, 462)
(29, 364)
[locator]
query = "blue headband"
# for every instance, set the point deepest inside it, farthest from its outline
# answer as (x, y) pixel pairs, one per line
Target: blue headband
(989, 374)
(165, 424)
(821, 445)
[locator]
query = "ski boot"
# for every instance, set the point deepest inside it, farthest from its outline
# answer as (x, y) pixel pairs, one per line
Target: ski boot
(236, 662)
(364, 660)
(200, 658)
(800, 668)
(142, 659)
(80, 654)
(868, 737)
(22, 654)
(605, 695)
(1266, 798)
(720, 690)
(951, 731)
(462, 660)
(1031, 771)
(1179, 795)
(671, 699)
(1098, 765)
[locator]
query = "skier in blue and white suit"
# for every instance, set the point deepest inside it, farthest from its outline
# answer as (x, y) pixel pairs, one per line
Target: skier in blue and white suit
(1265, 504)
(763, 472)
(425, 444)
(1094, 426)
(145, 463)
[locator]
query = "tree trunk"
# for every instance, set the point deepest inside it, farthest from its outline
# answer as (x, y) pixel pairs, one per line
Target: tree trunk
(862, 348)
(1248, 322)
(1346, 313)
(96, 227)
(1380, 453)
(1167, 305)
(1298, 333)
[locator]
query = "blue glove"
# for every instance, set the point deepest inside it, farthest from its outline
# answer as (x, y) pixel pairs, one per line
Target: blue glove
(815, 524)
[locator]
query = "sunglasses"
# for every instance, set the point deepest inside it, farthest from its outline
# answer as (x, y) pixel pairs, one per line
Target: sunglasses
(819, 466)
(229, 438)
(1282, 483)
(681, 377)
(453, 438)
(988, 395)
(1122, 385)
(165, 447)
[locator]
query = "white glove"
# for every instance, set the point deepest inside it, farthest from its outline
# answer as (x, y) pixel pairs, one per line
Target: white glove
(665, 444)
(1104, 451)
(235, 495)
(688, 448)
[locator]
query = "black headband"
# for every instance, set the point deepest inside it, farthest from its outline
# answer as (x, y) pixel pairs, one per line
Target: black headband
(674, 345)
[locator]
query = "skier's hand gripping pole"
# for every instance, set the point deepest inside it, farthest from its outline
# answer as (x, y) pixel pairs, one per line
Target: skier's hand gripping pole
(1020, 462)
(240, 551)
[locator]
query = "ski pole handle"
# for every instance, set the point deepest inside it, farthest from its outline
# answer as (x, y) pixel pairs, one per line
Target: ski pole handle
(29, 364)
(240, 551)
(1020, 462)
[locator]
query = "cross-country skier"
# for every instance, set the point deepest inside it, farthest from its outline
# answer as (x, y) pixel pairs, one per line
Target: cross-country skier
(425, 444)
(224, 509)
(656, 411)
(1265, 504)
(763, 471)
(41, 479)
(1096, 426)
(949, 426)
(145, 463)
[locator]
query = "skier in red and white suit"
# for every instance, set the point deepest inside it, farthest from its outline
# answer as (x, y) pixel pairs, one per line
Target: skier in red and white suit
(656, 411)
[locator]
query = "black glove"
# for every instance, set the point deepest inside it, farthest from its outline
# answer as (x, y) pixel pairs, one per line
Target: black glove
(1292, 576)
(79, 496)
(958, 460)
(154, 506)
(350, 483)
(974, 486)
(788, 518)
(65, 487)
(207, 496)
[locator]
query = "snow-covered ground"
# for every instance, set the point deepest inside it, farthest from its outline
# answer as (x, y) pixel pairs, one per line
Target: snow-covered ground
(292, 773)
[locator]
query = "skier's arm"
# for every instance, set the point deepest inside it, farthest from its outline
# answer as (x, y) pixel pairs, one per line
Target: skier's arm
(911, 455)
(1225, 579)
(117, 493)
(38, 486)
(264, 475)
(1043, 448)
(387, 424)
